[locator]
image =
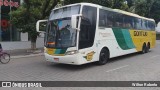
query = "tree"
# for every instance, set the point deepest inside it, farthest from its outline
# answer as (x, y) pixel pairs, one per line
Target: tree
(155, 11)
(146, 8)
(26, 16)
(116, 4)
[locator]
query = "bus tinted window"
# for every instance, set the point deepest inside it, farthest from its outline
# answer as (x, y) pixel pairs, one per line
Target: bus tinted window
(64, 12)
(88, 27)
(151, 25)
(138, 24)
(102, 18)
(144, 25)
(114, 19)
(110, 19)
(129, 22)
(118, 20)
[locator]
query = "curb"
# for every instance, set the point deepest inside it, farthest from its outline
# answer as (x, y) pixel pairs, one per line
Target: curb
(25, 56)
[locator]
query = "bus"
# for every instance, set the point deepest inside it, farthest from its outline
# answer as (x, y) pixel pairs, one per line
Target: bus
(83, 33)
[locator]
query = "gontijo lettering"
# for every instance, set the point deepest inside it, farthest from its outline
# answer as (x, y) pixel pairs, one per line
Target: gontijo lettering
(140, 33)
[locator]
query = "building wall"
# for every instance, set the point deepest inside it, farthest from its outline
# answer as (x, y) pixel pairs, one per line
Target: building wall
(22, 44)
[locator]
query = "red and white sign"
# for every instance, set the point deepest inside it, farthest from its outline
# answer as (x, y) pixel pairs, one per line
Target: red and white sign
(9, 3)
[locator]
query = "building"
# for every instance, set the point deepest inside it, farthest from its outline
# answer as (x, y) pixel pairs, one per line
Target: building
(10, 37)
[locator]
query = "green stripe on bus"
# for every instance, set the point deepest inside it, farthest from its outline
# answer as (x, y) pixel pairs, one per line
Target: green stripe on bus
(63, 51)
(128, 39)
(58, 51)
(123, 38)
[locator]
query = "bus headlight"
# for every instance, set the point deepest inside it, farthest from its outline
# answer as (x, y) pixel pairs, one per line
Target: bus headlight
(45, 50)
(71, 52)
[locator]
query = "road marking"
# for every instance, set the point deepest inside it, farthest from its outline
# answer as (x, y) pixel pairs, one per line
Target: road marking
(117, 68)
(154, 56)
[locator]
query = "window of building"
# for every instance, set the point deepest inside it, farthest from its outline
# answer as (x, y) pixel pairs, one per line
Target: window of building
(8, 32)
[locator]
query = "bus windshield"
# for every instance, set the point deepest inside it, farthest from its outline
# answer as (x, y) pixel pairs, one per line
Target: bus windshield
(59, 33)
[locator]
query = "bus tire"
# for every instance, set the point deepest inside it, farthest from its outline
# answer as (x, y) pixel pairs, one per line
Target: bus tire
(143, 49)
(148, 48)
(103, 57)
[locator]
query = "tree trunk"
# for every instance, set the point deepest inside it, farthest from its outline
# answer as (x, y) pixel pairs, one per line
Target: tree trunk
(33, 42)
(33, 45)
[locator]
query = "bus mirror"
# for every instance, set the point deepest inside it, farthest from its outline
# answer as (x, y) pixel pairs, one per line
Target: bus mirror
(74, 21)
(41, 26)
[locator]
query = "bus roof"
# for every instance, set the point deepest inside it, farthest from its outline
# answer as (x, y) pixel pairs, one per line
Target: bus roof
(110, 9)
(132, 14)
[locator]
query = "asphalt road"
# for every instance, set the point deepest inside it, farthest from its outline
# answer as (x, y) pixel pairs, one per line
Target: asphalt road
(133, 67)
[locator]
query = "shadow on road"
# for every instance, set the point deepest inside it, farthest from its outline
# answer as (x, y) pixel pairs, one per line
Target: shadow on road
(73, 67)
(124, 57)
(94, 64)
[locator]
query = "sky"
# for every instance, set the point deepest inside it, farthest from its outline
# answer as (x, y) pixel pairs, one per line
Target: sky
(158, 27)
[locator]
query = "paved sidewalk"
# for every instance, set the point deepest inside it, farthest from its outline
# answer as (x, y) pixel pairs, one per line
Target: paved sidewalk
(22, 53)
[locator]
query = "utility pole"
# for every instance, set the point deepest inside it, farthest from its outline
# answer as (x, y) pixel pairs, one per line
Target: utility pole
(10, 27)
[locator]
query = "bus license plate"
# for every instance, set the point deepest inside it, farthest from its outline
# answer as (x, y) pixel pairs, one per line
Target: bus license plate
(56, 59)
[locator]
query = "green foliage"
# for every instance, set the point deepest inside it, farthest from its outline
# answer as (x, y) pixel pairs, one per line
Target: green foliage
(142, 7)
(26, 16)
(155, 11)
(146, 8)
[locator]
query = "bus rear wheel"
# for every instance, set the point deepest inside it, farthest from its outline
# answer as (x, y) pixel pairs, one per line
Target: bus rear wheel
(148, 48)
(143, 49)
(104, 56)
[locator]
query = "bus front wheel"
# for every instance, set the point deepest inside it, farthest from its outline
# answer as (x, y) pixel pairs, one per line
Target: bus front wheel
(103, 57)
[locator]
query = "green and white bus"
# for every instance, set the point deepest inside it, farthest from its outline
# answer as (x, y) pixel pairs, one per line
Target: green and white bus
(84, 33)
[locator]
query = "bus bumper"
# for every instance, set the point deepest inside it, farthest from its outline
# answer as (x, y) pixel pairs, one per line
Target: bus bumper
(68, 59)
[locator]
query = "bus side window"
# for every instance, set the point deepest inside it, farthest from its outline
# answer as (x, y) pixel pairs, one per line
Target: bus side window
(102, 18)
(153, 25)
(138, 23)
(129, 22)
(143, 25)
(110, 19)
(150, 25)
(118, 20)
(146, 25)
